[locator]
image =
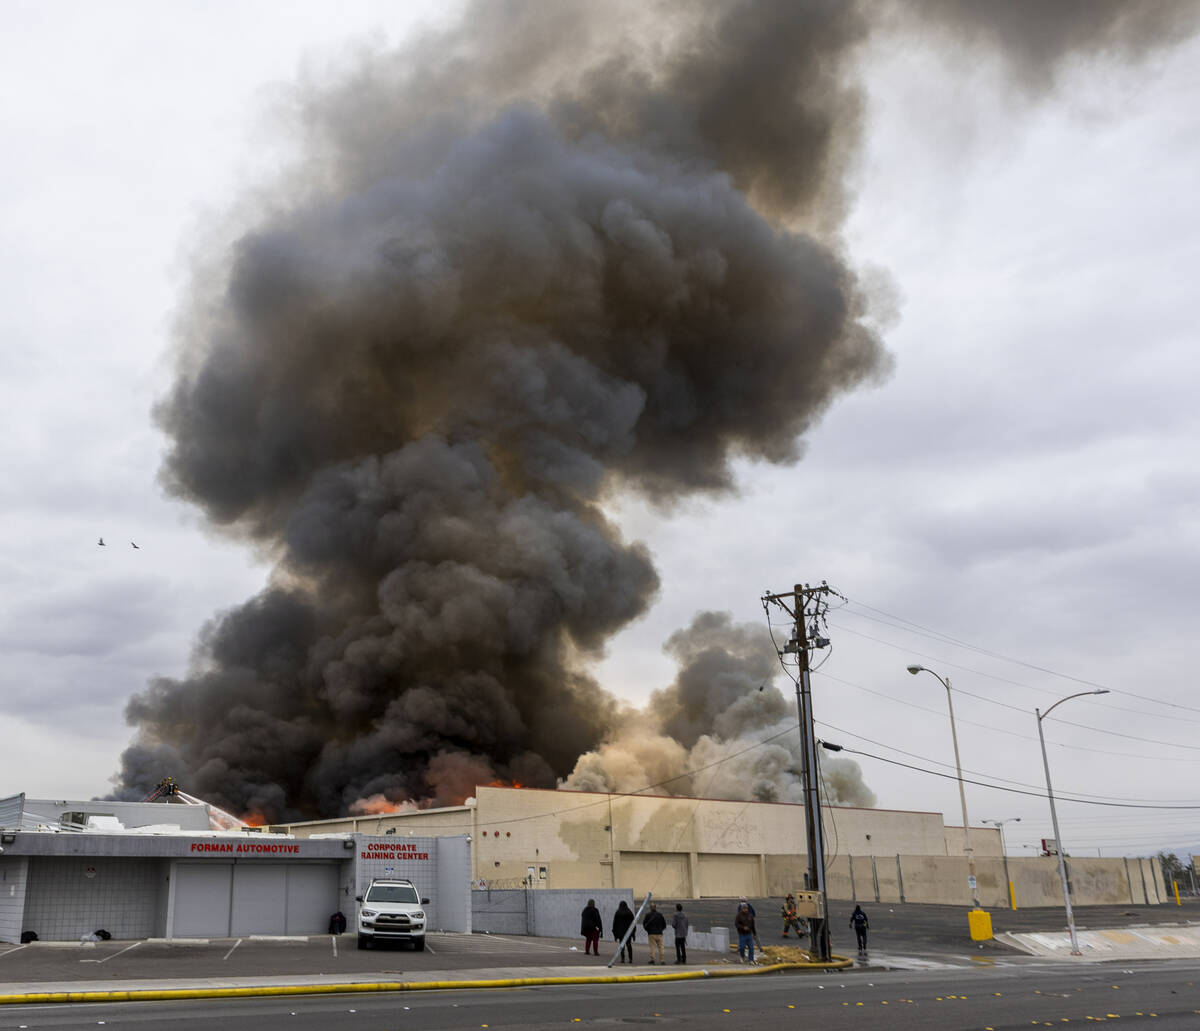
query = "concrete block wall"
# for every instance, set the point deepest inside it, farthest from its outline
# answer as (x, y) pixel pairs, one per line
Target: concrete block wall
(14, 871)
(429, 863)
(71, 896)
(552, 913)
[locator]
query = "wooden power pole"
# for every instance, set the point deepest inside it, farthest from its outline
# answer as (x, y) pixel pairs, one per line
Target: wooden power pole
(807, 606)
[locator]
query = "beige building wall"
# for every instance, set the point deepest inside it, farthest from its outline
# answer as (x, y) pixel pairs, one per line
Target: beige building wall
(459, 819)
(985, 841)
(688, 848)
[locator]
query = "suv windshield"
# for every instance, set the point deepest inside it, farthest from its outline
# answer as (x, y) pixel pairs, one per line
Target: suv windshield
(392, 893)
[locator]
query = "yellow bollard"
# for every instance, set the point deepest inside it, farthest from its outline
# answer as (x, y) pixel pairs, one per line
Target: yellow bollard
(979, 922)
(1175, 885)
(1012, 896)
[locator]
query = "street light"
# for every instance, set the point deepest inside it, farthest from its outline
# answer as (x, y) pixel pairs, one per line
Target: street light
(1012, 898)
(962, 794)
(1058, 845)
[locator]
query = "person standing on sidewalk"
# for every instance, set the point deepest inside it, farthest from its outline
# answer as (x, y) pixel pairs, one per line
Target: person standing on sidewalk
(622, 918)
(590, 926)
(753, 919)
(680, 923)
(858, 920)
(655, 923)
(743, 923)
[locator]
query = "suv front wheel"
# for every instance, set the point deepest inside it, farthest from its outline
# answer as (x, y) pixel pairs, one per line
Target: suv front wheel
(419, 944)
(364, 941)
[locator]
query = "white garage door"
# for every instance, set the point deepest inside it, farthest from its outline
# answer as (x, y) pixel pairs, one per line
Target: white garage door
(202, 893)
(223, 900)
(312, 898)
(259, 899)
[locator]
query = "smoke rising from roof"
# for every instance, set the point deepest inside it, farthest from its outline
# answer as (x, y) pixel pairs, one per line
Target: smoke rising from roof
(557, 251)
(703, 736)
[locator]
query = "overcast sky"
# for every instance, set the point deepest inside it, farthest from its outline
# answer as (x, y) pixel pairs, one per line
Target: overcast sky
(1024, 482)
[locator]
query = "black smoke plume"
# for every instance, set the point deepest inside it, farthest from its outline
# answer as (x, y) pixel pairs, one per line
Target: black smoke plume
(560, 250)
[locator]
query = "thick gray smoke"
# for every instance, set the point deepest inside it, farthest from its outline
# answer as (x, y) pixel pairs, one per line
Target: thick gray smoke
(704, 735)
(560, 250)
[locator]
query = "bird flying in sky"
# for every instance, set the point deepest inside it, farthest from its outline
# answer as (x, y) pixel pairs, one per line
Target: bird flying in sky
(101, 543)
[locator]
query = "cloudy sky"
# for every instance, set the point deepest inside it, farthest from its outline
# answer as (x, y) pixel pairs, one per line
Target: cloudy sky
(1016, 506)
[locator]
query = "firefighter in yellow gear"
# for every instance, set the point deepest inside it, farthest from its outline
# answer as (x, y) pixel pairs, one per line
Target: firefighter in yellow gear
(790, 917)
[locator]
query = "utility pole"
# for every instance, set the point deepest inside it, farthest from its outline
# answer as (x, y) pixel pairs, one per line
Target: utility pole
(807, 607)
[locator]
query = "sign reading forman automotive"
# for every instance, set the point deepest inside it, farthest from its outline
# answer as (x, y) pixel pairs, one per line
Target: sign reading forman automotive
(244, 848)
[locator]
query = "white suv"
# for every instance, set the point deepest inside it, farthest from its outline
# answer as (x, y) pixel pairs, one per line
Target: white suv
(391, 911)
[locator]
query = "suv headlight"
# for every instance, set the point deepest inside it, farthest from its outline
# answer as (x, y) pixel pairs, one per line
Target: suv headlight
(369, 912)
(419, 914)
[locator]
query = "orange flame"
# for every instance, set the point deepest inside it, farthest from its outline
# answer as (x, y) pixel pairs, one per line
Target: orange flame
(254, 818)
(381, 805)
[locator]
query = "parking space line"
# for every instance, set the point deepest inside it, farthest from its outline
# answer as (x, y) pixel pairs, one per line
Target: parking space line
(333, 938)
(11, 951)
(115, 954)
(231, 948)
(517, 941)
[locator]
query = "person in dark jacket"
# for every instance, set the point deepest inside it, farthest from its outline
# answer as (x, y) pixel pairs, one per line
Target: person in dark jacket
(743, 923)
(858, 920)
(622, 921)
(655, 923)
(680, 923)
(591, 925)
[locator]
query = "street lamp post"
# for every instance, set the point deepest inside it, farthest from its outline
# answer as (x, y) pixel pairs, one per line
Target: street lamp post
(962, 794)
(1012, 898)
(1058, 845)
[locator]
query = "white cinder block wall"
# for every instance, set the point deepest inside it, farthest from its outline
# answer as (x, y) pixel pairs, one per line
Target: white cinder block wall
(13, 876)
(71, 896)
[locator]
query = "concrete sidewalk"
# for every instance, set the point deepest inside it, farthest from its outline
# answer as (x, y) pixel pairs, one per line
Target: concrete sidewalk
(1162, 941)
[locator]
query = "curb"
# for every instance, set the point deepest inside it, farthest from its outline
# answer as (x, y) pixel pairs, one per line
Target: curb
(359, 987)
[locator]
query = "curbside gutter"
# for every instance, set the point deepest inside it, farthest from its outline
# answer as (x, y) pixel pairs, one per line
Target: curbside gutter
(358, 987)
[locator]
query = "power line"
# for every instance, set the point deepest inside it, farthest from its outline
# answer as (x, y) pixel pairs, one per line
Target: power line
(938, 762)
(1026, 737)
(938, 635)
(1017, 791)
(999, 679)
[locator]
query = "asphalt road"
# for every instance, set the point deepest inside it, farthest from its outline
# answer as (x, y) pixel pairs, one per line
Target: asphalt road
(1159, 995)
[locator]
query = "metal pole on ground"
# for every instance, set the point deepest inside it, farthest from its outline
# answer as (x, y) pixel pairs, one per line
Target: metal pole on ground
(1058, 845)
(629, 931)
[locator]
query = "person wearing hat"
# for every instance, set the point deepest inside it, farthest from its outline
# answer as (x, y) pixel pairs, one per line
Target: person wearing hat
(743, 901)
(790, 917)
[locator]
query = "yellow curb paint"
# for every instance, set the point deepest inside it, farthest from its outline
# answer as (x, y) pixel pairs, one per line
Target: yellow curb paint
(167, 994)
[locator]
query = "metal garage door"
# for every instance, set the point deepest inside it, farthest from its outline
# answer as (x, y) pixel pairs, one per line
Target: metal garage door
(223, 900)
(723, 876)
(312, 897)
(202, 893)
(259, 899)
(664, 873)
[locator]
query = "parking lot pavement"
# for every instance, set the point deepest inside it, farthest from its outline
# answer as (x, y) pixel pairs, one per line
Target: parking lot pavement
(321, 955)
